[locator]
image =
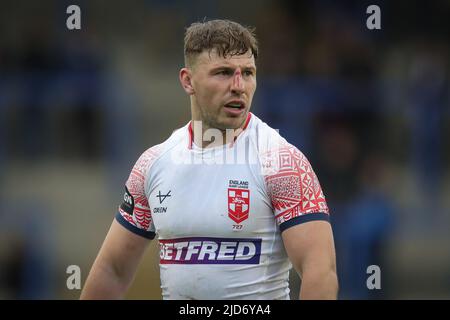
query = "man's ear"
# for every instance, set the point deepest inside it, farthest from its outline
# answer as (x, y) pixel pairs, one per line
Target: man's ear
(186, 81)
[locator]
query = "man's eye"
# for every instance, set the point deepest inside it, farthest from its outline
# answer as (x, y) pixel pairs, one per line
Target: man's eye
(248, 73)
(224, 72)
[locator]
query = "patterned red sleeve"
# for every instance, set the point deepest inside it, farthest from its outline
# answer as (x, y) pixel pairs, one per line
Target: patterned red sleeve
(134, 212)
(293, 187)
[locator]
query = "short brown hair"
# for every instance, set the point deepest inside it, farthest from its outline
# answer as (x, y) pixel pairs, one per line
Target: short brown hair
(227, 37)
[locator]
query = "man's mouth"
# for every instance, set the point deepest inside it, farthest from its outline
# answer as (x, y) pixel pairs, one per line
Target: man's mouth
(235, 108)
(235, 105)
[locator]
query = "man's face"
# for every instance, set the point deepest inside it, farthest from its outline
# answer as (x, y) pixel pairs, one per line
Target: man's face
(223, 89)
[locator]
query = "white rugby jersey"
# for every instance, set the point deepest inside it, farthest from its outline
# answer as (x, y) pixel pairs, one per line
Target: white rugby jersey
(219, 212)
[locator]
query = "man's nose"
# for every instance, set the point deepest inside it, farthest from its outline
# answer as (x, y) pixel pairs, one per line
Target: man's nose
(237, 85)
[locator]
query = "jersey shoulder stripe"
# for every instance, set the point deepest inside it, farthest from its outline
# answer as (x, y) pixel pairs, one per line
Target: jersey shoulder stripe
(292, 185)
(135, 209)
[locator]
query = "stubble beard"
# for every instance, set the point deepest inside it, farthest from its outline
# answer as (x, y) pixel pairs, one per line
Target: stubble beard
(214, 122)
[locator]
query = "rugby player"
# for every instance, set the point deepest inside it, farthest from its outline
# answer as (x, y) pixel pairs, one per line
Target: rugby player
(233, 204)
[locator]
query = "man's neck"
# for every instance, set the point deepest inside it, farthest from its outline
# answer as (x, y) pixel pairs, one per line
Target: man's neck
(206, 136)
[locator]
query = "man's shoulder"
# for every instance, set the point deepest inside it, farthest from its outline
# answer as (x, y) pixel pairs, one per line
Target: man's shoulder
(267, 138)
(152, 154)
(273, 149)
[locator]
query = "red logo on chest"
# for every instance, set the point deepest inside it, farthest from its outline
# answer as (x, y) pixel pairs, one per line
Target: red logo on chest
(238, 204)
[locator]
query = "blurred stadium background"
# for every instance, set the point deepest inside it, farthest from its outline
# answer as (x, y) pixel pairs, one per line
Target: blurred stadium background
(369, 108)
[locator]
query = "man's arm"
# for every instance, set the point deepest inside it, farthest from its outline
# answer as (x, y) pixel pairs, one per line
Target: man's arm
(310, 247)
(116, 264)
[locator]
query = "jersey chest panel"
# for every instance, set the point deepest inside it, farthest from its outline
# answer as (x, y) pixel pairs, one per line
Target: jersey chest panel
(217, 200)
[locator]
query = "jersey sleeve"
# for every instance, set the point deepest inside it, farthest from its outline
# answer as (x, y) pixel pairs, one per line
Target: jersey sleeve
(293, 187)
(134, 213)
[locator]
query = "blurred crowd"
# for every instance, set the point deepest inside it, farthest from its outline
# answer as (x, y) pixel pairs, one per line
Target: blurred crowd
(369, 108)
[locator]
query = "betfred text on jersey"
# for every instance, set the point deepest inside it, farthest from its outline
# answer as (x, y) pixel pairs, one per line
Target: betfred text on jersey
(201, 250)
